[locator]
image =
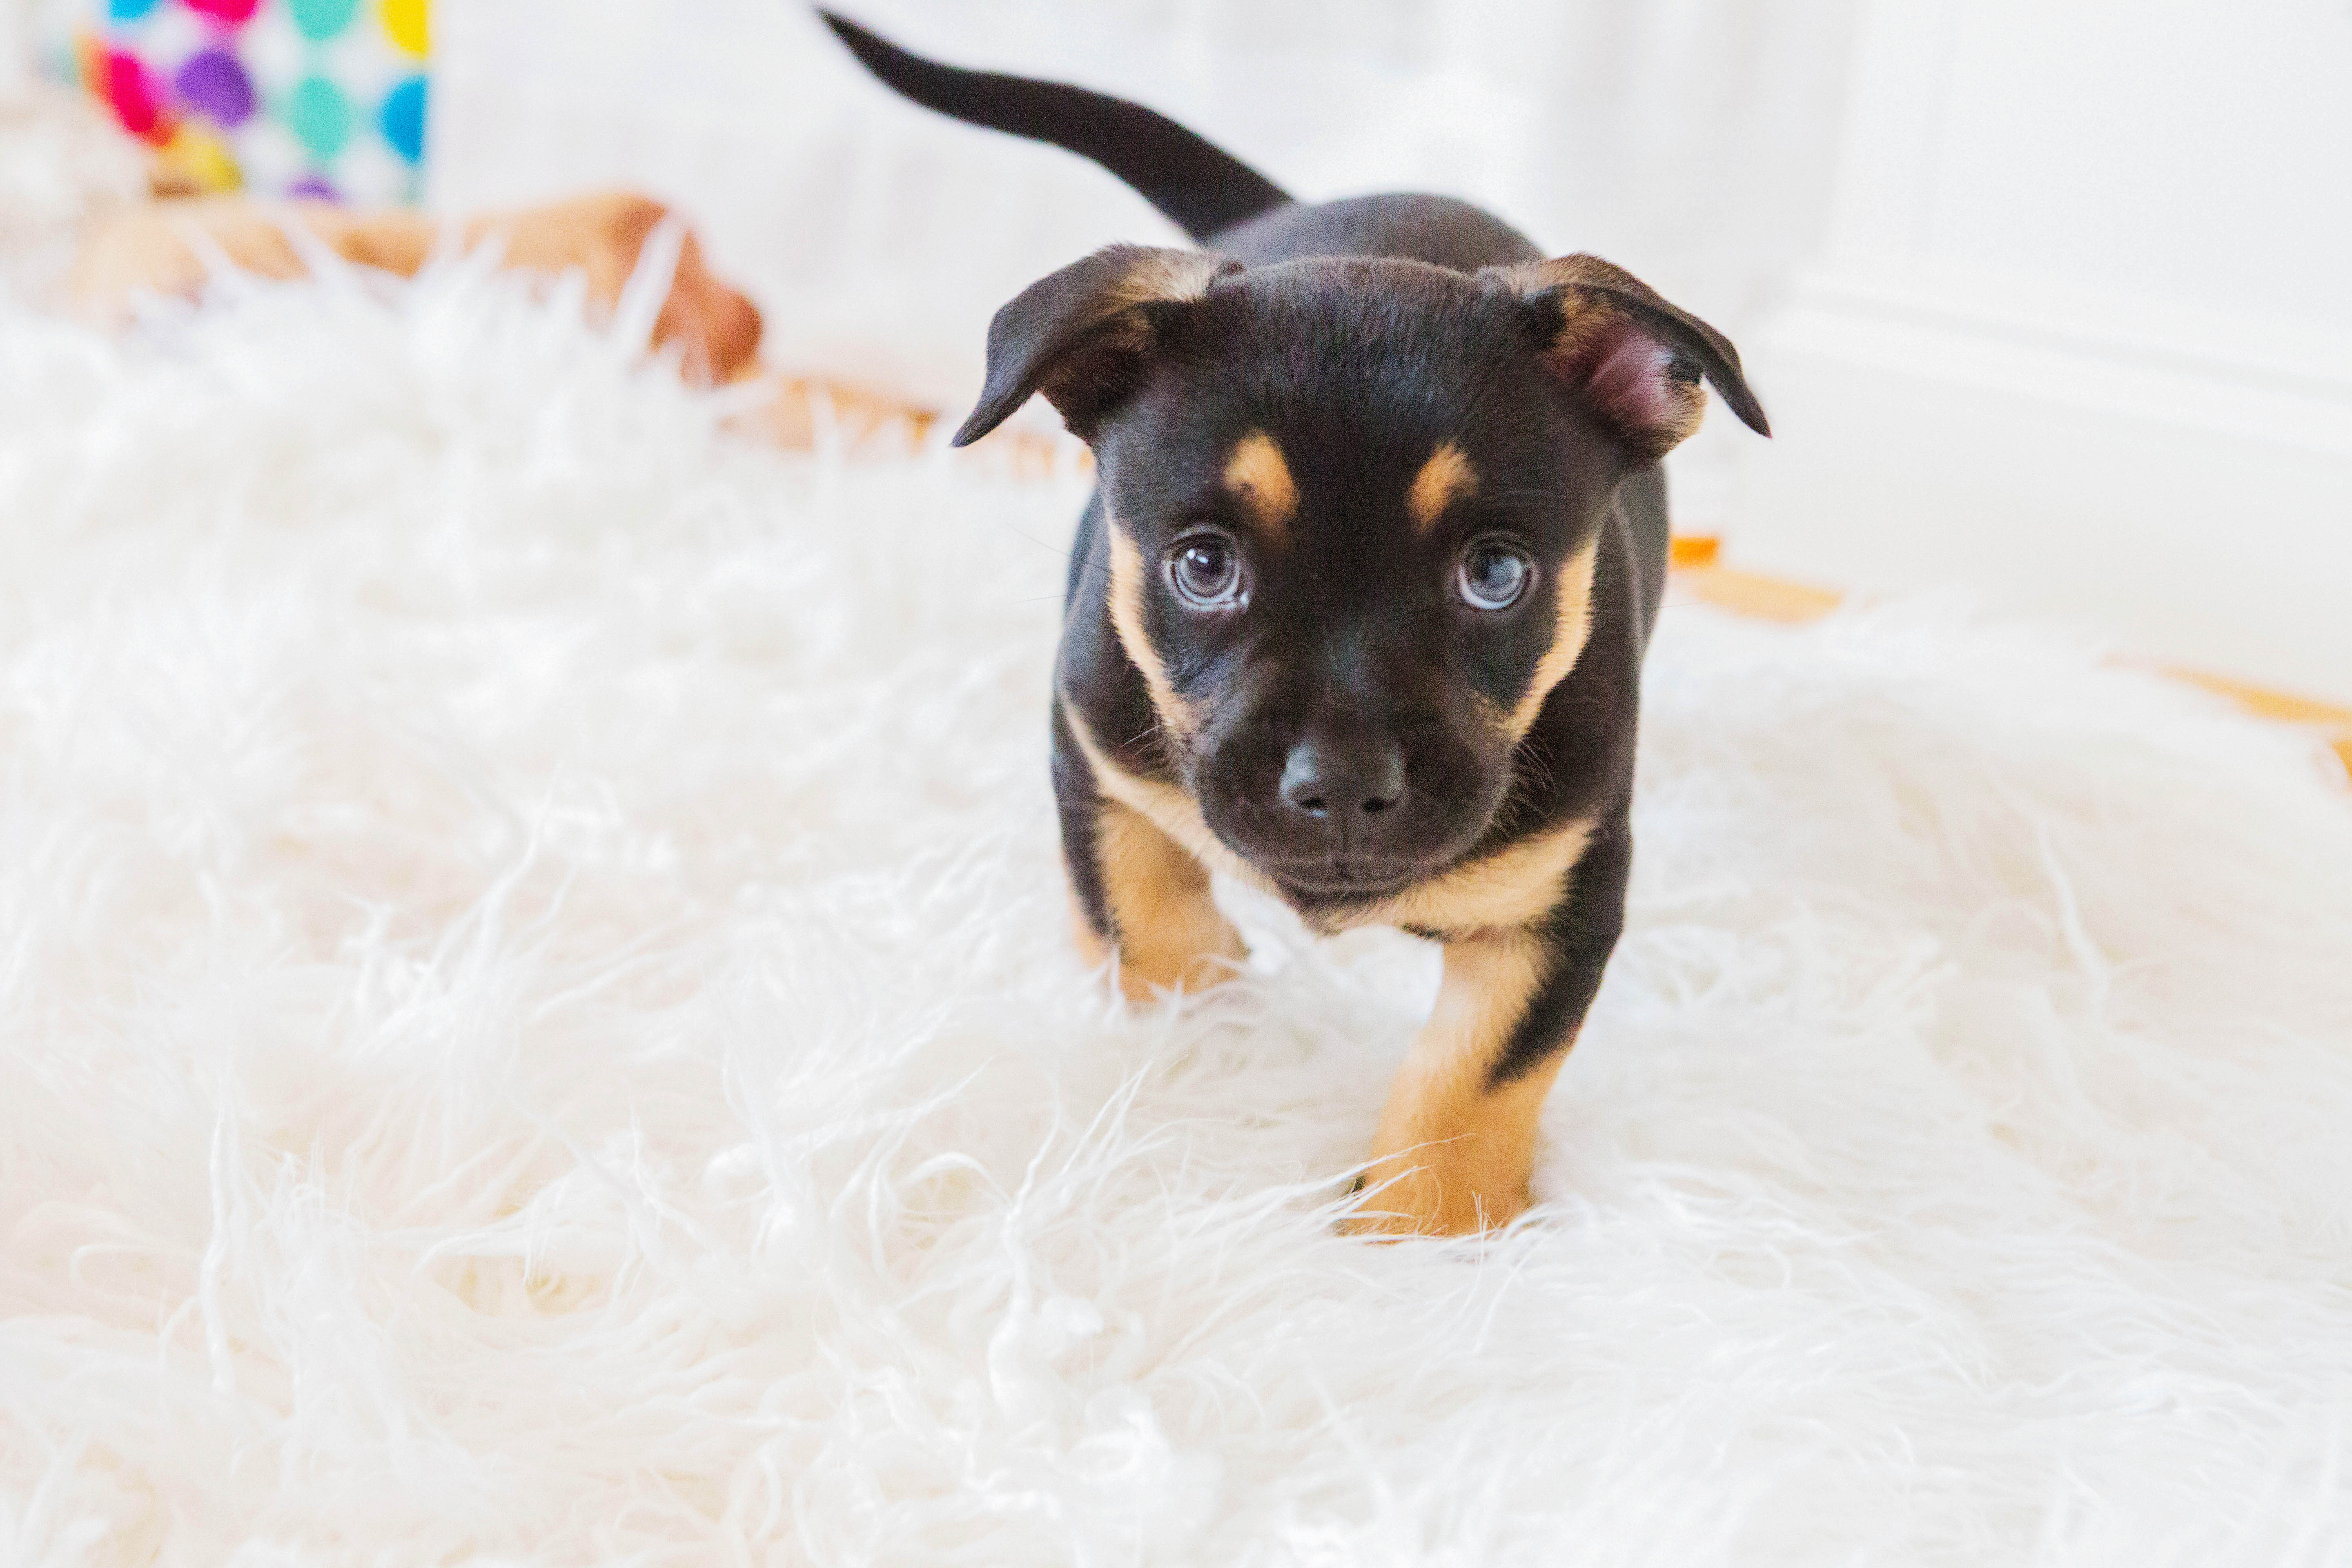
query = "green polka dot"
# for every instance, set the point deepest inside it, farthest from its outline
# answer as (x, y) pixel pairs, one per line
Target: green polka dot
(318, 20)
(320, 116)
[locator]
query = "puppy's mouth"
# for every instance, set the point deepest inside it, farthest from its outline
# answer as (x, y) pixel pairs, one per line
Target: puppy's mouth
(1349, 876)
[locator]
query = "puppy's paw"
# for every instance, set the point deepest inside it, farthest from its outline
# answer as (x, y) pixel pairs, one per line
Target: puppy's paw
(1143, 984)
(1424, 1202)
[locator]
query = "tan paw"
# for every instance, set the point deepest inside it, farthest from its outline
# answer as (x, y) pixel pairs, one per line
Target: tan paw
(1424, 1202)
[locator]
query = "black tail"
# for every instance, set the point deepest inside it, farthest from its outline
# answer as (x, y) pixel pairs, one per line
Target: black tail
(1202, 189)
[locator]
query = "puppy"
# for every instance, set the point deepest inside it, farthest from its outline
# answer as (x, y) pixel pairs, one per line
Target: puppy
(1357, 613)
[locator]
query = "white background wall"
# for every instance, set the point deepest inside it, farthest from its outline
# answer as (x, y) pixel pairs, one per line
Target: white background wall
(1686, 140)
(2079, 333)
(2050, 299)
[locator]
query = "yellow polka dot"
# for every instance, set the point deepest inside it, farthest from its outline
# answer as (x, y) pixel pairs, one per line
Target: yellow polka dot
(203, 158)
(405, 22)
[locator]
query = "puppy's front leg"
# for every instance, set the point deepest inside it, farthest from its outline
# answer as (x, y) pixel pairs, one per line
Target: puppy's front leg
(1138, 893)
(1457, 1139)
(1168, 930)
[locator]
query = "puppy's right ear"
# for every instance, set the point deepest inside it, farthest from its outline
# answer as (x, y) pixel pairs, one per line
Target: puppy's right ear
(1080, 336)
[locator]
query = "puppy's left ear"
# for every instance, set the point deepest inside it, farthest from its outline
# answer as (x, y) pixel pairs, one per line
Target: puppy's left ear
(1082, 335)
(1634, 359)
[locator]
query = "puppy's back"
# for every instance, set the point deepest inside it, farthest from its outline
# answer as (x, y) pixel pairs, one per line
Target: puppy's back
(1439, 230)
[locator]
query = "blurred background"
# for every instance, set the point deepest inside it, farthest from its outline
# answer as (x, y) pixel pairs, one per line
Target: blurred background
(2050, 301)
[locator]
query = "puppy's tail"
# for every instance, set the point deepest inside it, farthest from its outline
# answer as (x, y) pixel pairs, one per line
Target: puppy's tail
(1202, 187)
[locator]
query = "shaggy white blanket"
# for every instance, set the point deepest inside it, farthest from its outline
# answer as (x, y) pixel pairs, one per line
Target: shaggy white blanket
(537, 1026)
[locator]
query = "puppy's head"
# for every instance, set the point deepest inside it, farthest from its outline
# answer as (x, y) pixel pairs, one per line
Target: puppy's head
(1354, 507)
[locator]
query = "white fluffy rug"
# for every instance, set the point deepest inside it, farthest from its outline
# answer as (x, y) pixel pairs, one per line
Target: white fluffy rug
(535, 1025)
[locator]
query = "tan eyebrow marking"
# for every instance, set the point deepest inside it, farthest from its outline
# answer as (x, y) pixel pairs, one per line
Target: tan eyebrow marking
(1446, 475)
(1256, 472)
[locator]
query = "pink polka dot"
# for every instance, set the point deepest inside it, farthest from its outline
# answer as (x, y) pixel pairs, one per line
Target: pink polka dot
(132, 93)
(226, 13)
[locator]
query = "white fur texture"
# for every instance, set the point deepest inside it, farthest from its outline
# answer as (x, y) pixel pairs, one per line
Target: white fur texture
(537, 1028)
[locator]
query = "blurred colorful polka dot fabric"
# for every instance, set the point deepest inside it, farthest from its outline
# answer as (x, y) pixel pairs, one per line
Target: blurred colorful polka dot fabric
(286, 98)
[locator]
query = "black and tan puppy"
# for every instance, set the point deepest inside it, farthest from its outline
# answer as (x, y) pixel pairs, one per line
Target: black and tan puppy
(1358, 611)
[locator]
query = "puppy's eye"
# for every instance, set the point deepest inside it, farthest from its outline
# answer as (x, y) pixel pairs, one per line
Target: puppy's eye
(1206, 570)
(1493, 574)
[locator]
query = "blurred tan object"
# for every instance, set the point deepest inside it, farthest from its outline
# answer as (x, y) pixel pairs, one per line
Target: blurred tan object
(803, 412)
(806, 413)
(169, 248)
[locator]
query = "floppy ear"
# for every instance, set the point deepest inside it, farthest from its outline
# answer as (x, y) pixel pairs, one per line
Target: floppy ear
(1636, 359)
(1080, 335)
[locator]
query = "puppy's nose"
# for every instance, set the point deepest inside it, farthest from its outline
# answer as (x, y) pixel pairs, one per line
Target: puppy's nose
(1325, 775)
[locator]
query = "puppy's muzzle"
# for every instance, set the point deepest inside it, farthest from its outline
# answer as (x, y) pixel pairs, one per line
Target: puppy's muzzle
(1341, 817)
(1346, 802)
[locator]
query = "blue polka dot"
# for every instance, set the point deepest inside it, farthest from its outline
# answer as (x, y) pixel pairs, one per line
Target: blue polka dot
(403, 119)
(127, 10)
